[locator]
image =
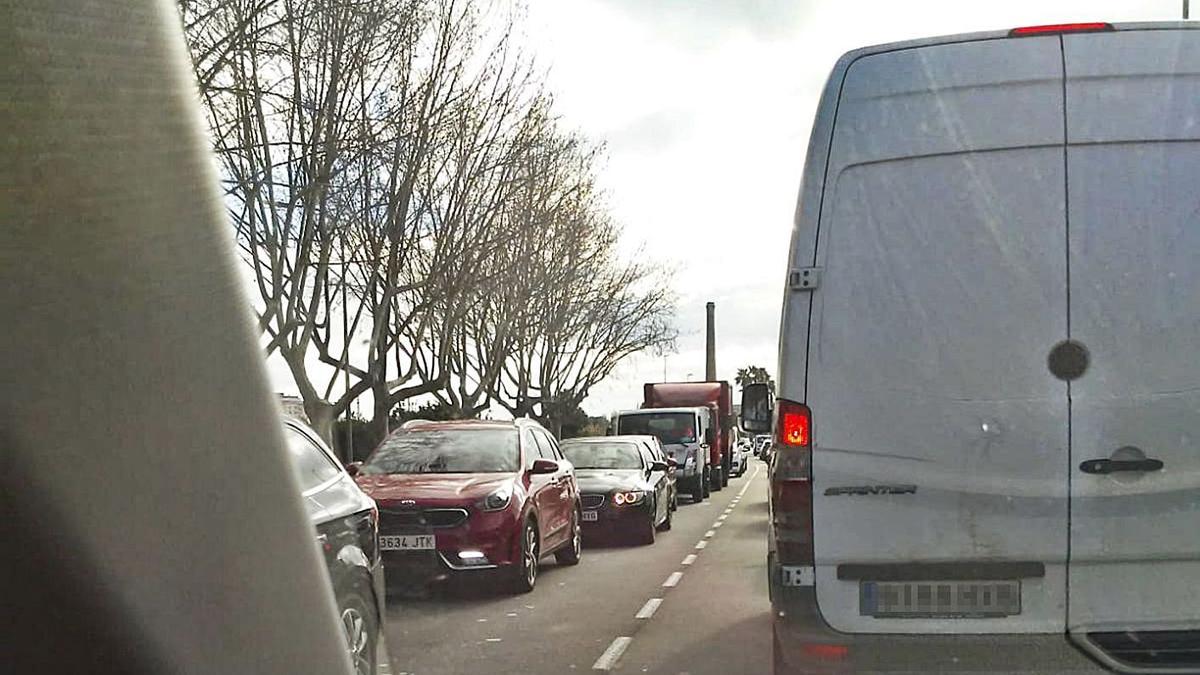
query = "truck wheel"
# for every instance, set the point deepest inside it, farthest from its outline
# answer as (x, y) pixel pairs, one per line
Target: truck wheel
(705, 484)
(716, 480)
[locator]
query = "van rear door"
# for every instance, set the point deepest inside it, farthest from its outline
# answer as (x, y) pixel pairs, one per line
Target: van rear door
(1133, 113)
(940, 438)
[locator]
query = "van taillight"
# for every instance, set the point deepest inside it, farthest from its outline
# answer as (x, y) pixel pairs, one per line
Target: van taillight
(795, 422)
(791, 484)
(1060, 28)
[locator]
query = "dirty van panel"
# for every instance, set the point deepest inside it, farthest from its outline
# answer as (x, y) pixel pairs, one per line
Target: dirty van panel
(940, 439)
(1134, 172)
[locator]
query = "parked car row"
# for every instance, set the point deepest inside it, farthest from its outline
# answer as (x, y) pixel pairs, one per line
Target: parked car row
(436, 499)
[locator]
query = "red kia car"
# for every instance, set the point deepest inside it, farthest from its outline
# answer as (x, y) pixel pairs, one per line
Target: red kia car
(469, 496)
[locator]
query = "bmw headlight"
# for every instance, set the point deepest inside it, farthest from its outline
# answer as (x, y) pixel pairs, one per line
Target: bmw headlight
(628, 497)
(498, 500)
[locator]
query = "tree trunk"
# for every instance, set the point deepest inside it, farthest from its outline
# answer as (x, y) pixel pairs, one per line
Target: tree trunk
(379, 421)
(320, 418)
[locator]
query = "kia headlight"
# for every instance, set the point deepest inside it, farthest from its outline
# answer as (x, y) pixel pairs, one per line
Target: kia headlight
(497, 500)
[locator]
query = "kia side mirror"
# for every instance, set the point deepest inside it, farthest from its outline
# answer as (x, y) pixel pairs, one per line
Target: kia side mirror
(543, 466)
(354, 468)
(757, 408)
(659, 466)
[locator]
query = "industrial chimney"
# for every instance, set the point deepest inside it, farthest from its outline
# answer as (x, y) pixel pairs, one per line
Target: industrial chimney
(710, 343)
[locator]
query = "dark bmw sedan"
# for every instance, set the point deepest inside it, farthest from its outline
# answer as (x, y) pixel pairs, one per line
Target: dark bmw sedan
(623, 487)
(346, 523)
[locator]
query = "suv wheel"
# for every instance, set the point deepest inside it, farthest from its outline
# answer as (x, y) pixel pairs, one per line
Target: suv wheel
(569, 554)
(525, 570)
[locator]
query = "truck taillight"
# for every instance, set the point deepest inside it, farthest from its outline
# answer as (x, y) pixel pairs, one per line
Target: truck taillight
(791, 484)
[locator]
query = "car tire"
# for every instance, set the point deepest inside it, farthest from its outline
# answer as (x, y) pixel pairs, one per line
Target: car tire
(570, 554)
(647, 530)
(523, 572)
(360, 630)
(666, 523)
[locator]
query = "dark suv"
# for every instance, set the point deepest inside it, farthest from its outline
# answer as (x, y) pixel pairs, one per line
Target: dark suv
(467, 496)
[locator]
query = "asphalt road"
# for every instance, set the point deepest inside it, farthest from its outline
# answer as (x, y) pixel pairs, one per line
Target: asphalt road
(694, 602)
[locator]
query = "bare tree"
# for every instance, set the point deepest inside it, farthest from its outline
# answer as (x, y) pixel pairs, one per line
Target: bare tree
(413, 220)
(288, 99)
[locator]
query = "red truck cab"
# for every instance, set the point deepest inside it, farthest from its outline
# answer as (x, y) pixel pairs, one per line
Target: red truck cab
(718, 398)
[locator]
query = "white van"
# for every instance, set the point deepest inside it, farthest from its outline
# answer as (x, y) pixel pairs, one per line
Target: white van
(988, 424)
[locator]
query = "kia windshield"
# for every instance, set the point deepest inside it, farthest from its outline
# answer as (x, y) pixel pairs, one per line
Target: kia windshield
(458, 451)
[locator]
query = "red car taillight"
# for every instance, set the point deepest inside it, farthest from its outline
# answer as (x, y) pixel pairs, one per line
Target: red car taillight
(791, 484)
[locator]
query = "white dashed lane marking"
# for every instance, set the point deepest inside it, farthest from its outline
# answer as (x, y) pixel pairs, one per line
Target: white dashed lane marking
(648, 609)
(609, 658)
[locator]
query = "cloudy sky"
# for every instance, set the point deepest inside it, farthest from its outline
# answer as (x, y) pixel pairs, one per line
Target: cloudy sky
(706, 107)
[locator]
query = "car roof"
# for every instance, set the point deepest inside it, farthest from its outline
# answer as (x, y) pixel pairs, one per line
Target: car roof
(627, 438)
(449, 425)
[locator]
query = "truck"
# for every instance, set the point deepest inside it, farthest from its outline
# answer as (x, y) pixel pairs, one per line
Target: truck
(717, 396)
(685, 433)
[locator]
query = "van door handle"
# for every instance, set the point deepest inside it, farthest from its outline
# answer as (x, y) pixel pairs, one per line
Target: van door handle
(1105, 466)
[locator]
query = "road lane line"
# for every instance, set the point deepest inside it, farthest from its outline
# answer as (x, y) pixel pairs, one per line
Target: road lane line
(673, 580)
(492, 639)
(701, 544)
(689, 559)
(721, 517)
(717, 524)
(609, 658)
(709, 534)
(648, 609)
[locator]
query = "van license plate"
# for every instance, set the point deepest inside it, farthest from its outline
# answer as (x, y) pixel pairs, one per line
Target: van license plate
(406, 542)
(939, 599)
(590, 516)
(796, 575)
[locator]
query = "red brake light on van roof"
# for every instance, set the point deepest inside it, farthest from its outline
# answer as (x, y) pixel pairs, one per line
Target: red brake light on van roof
(1059, 28)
